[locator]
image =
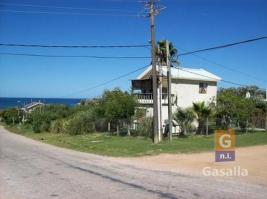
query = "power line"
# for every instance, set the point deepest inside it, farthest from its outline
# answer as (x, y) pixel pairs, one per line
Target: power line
(122, 57)
(71, 13)
(74, 56)
(65, 7)
(223, 46)
(227, 67)
(134, 71)
(127, 46)
(72, 46)
(107, 82)
(226, 81)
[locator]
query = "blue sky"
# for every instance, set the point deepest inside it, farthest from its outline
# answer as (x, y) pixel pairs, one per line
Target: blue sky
(189, 24)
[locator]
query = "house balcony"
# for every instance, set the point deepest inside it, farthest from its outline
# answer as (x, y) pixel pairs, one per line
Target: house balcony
(147, 98)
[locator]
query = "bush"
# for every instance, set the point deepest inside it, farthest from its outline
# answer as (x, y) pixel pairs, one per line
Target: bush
(11, 116)
(58, 126)
(185, 118)
(101, 125)
(144, 128)
(44, 119)
(81, 123)
(36, 126)
(58, 111)
(40, 122)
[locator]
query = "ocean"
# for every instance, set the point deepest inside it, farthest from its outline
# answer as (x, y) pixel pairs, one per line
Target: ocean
(8, 102)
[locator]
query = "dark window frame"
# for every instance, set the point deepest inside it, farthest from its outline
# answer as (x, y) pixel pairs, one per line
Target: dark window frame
(203, 88)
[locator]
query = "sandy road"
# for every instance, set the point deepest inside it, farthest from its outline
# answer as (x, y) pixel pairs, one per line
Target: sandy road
(30, 169)
(254, 159)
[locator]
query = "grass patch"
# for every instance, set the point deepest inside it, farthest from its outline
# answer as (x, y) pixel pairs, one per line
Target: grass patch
(106, 144)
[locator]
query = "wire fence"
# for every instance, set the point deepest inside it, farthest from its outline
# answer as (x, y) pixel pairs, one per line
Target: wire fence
(205, 127)
(240, 124)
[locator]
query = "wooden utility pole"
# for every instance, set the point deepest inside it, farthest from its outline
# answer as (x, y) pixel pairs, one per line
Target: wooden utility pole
(169, 78)
(154, 74)
(160, 100)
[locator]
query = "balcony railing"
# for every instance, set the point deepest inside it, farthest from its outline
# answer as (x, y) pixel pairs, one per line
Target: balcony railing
(147, 98)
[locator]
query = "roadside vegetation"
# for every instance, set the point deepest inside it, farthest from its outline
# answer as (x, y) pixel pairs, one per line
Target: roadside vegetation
(113, 124)
(129, 146)
(113, 112)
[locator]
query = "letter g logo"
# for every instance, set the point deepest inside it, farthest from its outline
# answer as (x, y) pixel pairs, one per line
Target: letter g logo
(225, 141)
(225, 145)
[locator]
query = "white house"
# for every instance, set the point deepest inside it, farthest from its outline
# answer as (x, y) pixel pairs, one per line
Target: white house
(188, 85)
(32, 106)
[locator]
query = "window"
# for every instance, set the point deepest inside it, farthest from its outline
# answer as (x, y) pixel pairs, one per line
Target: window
(203, 87)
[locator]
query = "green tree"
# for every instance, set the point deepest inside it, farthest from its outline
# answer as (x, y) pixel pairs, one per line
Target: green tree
(184, 117)
(118, 106)
(233, 108)
(245, 108)
(255, 92)
(203, 112)
(161, 52)
(226, 108)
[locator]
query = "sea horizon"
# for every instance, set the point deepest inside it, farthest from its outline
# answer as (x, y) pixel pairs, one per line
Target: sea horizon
(18, 102)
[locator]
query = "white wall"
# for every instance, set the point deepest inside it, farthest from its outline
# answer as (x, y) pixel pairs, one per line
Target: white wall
(149, 113)
(187, 92)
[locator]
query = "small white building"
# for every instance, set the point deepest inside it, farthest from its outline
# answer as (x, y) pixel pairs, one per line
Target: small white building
(188, 85)
(28, 108)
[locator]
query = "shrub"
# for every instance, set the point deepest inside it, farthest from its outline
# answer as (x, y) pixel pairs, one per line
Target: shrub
(40, 122)
(101, 125)
(81, 123)
(11, 116)
(40, 125)
(36, 126)
(57, 111)
(144, 128)
(184, 117)
(58, 126)
(44, 119)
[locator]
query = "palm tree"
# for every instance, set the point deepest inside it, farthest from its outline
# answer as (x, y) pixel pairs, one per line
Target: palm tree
(184, 117)
(161, 52)
(203, 112)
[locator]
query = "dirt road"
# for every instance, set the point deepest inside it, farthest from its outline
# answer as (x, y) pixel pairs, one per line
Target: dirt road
(254, 159)
(33, 170)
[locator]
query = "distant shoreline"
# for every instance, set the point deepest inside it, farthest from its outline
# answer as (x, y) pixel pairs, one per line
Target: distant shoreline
(18, 102)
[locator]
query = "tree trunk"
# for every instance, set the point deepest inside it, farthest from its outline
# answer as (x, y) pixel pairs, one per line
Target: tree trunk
(246, 126)
(128, 130)
(202, 129)
(108, 126)
(207, 126)
(199, 128)
(118, 129)
(185, 130)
